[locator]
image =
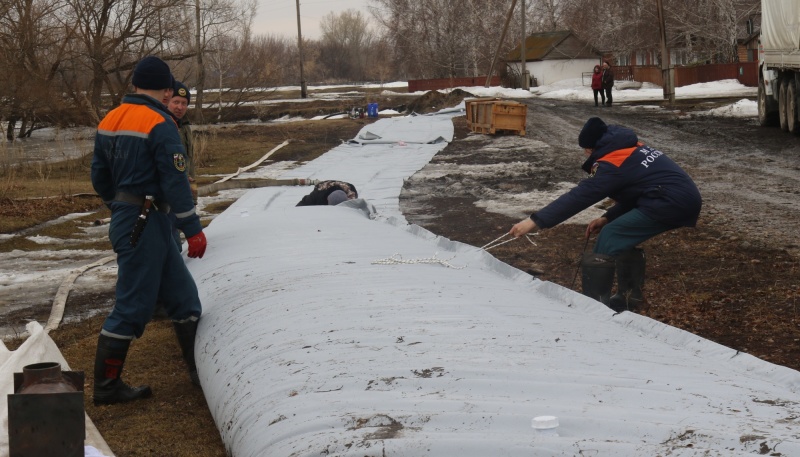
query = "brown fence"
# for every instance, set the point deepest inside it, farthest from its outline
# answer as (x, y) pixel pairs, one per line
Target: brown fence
(416, 85)
(745, 72)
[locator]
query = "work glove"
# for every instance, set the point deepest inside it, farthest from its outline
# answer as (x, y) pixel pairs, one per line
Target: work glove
(197, 245)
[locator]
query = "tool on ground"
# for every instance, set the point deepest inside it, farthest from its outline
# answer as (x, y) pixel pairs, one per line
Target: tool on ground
(141, 221)
(499, 241)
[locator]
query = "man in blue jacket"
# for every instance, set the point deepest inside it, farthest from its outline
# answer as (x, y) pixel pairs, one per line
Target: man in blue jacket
(652, 194)
(139, 160)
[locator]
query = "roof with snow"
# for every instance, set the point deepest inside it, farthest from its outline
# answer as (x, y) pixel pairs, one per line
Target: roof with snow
(558, 45)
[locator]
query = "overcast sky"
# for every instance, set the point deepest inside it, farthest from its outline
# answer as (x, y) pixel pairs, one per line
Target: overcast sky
(279, 17)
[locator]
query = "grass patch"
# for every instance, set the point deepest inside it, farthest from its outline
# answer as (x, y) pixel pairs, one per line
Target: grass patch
(19, 214)
(45, 179)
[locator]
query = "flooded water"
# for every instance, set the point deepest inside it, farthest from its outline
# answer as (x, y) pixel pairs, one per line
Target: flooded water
(48, 145)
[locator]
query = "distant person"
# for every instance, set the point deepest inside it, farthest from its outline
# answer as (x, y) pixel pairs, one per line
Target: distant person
(652, 194)
(149, 264)
(597, 85)
(325, 189)
(608, 82)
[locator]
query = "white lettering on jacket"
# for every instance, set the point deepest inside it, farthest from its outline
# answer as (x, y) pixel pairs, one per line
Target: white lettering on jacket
(650, 155)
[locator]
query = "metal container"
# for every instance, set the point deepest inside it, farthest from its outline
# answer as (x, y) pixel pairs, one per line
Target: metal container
(45, 412)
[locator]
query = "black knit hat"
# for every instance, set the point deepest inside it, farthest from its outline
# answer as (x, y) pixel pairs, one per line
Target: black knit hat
(152, 73)
(592, 131)
(180, 90)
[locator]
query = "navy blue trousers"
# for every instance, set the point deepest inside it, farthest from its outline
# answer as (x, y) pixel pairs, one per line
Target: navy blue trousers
(154, 269)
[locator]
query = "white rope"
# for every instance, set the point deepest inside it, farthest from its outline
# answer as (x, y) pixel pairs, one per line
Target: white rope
(397, 259)
(499, 241)
(485, 246)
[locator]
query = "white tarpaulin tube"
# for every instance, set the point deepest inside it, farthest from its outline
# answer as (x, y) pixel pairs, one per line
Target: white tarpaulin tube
(314, 342)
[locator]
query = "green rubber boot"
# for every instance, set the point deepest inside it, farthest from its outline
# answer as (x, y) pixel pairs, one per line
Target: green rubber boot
(597, 276)
(186, 333)
(630, 280)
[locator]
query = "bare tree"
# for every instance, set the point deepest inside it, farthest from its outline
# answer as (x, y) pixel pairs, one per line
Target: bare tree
(616, 26)
(344, 45)
(240, 65)
(32, 44)
(443, 38)
(217, 22)
(114, 35)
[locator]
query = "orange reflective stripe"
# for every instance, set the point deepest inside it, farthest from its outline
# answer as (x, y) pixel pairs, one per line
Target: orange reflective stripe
(617, 157)
(131, 118)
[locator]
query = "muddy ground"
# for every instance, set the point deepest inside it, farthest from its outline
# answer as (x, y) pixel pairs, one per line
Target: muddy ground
(733, 279)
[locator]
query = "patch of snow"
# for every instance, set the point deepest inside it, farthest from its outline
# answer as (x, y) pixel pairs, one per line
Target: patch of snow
(743, 108)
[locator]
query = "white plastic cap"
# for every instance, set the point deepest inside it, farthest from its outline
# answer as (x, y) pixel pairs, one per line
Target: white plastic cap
(544, 422)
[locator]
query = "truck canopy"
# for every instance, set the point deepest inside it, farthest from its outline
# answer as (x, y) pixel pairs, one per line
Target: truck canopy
(780, 25)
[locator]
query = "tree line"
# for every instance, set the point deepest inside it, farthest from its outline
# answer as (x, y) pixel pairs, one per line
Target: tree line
(66, 62)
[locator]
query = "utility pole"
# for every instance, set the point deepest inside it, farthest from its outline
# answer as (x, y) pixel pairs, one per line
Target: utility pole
(666, 72)
(303, 89)
(500, 44)
(526, 80)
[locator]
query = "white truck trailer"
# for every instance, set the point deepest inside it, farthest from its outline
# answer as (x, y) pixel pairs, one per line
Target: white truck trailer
(779, 64)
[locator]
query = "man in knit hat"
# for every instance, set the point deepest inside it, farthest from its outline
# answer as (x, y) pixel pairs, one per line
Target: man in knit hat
(139, 162)
(178, 105)
(652, 194)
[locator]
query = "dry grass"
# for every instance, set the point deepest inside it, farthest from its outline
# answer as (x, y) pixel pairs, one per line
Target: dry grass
(42, 179)
(19, 214)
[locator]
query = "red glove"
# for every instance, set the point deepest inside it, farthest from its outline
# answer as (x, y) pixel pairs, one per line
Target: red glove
(197, 245)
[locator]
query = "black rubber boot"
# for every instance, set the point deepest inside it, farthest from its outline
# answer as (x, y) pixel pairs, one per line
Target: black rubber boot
(597, 276)
(186, 333)
(108, 385)
(630, 280)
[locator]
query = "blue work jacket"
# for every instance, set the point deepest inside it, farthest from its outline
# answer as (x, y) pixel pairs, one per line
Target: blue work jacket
(138, 151)
(634, 176)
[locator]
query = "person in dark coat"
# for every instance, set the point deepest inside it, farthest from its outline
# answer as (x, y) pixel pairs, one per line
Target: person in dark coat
(597, 85)
(608, 82)
(325, 193)
(139, 157)
(178, 106)
(652, 195)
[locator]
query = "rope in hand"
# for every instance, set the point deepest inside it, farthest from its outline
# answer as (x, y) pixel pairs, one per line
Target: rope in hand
(398, 259)
(499, 241)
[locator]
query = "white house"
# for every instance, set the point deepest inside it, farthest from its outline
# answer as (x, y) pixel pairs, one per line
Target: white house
(554, 56)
